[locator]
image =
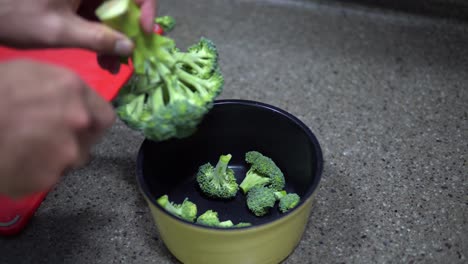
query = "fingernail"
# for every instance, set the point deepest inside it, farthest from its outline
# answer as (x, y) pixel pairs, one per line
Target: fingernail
(123, 47)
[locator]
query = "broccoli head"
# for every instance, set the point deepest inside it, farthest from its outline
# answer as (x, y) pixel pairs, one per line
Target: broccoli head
(226, 224)
(288, 202)
(263, 172)
(210, 218)
(261, 199)
(186, 210)
(219, 181)
(170, 91)
(167, 23)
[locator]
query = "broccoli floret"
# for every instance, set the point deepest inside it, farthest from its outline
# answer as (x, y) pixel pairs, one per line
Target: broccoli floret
(170, 91)
(167, 23)
(263, 172)
(210, 218)
(280, 194)
(226, 224)
(243, 224)
(261, 199)
(288, 202)
(218, 182)
(201, 60)
(186, 210)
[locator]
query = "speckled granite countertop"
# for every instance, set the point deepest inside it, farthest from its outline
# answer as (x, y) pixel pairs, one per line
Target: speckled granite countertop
(385, 94)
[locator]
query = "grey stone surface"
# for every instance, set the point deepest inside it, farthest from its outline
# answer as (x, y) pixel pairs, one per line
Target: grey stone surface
(447, 9)
(386, 96)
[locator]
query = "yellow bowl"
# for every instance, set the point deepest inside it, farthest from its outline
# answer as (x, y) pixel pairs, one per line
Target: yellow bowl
(169, 168)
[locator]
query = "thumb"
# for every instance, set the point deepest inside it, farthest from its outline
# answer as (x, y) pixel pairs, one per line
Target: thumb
(95, 36)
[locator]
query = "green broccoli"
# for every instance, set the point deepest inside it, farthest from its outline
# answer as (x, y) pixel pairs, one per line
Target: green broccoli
(288, 202)
(226, 224)
(210, 218)
(263, 172)
(261, 199)
(187, 210)
(170, 91)
(218, 182)
(243, 224)
(167, 23)
(280, 194)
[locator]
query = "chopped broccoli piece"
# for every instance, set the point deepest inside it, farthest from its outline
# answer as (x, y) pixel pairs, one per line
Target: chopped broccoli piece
(226, 224)
(260, 200)
(170, 91)
(280, 194)
(288, 202)
(167, 23)
(187, 210)
(218, 182)
(263, 172)
(210, 218)
(243, 224)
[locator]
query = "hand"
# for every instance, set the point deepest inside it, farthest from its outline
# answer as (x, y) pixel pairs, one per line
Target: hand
(49, 120)
(56, 23)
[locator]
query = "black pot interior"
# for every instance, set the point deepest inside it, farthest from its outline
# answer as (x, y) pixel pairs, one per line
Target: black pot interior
(235, 127)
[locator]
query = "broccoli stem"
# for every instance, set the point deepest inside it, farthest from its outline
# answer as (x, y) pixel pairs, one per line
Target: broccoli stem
(188, 92)
(193, 81)
(188, 59)
(220, 169)
(253, 179)
(169, 93)
(172, 209)
(280, 194)
(124, 16)
(195, 62)
(161, 46)
(121, 14)
(157, 100)
(135, 108)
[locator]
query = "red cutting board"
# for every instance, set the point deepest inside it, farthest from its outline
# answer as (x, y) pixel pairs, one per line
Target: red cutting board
(15, 214)
(83, 62)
